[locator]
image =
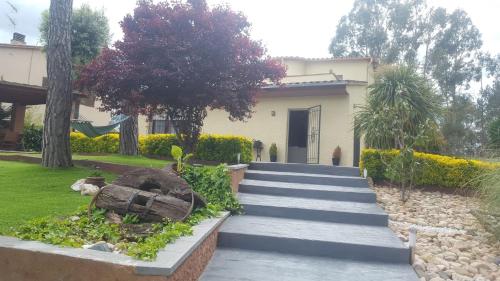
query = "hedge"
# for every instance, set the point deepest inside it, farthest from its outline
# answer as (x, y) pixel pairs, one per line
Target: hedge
(219, 148)
(432, 169)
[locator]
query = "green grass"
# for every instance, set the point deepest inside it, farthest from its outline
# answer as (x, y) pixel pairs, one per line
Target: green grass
(29, 190)
(139, 161)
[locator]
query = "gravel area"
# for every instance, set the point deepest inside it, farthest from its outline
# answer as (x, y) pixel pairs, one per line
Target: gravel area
(451, 243)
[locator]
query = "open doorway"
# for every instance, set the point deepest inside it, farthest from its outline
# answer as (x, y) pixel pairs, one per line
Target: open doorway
(298, 121)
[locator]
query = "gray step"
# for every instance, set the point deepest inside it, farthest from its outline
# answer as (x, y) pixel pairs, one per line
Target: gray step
(244, 265)
(349, 181)
(311, 238)
(303, 190)
(313, 209)
(305, 168)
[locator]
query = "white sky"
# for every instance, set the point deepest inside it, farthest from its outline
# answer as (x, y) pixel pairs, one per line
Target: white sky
(287, 28)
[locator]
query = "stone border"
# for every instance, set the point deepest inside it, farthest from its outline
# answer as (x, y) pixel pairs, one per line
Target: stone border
(32, 259)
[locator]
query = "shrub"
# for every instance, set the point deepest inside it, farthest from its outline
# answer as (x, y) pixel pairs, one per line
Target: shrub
(489, 193)
(432, 169)
(214, 184)
(32, 138)
(217, 148)
(223, 148)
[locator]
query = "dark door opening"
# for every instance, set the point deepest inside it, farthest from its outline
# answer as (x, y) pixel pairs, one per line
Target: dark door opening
(298, 121)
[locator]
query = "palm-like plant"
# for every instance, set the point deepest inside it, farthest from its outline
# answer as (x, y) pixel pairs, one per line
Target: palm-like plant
(401, 104)
(400, 109)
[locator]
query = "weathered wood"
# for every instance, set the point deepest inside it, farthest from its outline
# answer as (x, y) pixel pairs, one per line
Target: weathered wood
(56, 149)
(166, 180)
(147, 205)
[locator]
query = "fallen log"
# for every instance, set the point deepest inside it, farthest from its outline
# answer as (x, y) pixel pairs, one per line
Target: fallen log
(166, 180)
(146, 205)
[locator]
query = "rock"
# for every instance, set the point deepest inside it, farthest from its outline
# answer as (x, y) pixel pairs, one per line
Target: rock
(419, 269)
(99, 246)
(450, 256)
(78, 185)
(89, 189)
(74, 218)
(437, 279)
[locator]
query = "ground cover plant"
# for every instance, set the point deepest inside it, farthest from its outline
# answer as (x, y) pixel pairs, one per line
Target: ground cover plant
(78, 229)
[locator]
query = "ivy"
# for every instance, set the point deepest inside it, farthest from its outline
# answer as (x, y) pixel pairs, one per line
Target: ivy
(214, 184)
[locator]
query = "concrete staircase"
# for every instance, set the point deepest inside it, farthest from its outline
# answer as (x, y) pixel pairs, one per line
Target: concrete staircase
(308, 222)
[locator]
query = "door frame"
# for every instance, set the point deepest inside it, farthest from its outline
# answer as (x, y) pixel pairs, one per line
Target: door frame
(307, 109)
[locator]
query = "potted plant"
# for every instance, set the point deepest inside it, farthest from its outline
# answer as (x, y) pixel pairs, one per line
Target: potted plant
(336, 156)
(273, 152)
(96, 179)
(258, 145)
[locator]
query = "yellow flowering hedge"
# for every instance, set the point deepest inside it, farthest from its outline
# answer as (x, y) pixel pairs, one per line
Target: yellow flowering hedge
(432, 169)
(220, 148)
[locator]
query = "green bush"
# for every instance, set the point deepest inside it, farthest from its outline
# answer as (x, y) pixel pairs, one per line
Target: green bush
(32, 138)
(224, 149)
(217, 148)
(432, 169)
(214, 184)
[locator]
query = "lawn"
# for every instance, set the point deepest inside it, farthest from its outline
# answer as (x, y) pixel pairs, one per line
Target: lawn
(29, 190)
(139, 161)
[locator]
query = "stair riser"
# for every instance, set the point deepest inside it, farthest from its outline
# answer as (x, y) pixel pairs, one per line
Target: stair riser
(348, 182)
(316, 215)
(308, 193)
(304, 168)
(313, 248)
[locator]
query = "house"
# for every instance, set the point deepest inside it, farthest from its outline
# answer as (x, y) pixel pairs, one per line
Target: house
(23, 74)
(309, 114)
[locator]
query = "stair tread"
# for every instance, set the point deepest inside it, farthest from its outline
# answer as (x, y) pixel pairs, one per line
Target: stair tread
(309, 168)
(309, 186)
(309, 204)
(247, 265)
(312, 230)
(300, 174)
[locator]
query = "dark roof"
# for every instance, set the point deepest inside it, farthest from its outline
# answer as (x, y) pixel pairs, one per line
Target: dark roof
(311, 84)
(26, 94)
(326, 59)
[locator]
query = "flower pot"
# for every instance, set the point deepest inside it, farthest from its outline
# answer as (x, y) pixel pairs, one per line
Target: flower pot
(97, 181)
(335, 161)
(274, 158)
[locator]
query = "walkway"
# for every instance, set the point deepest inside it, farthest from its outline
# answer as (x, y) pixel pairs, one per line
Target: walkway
(305, 222)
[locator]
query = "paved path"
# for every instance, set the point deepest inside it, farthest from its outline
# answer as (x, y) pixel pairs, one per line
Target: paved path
(308, 222)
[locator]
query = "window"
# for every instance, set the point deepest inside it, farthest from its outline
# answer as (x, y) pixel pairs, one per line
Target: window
(161, 125)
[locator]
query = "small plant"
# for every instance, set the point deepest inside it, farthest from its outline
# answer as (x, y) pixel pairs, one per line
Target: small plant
(131, 219)
(180, 157)
(273, 152)
(336, 156)
(257, 144)
(96, 174)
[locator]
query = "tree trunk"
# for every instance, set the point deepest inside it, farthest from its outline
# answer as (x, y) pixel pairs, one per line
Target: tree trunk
(56, 149)
(129, 136)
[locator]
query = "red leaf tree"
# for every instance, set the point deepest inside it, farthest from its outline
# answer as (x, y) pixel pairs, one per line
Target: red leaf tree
(182, 59)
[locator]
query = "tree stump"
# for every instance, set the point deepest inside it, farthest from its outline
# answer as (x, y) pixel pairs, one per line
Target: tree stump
(148, 206)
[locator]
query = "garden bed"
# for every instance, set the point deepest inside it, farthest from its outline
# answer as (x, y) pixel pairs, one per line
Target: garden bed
(451, 242)
(183, 260)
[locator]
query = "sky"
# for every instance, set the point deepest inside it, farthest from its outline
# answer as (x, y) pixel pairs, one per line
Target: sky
(286, 27)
